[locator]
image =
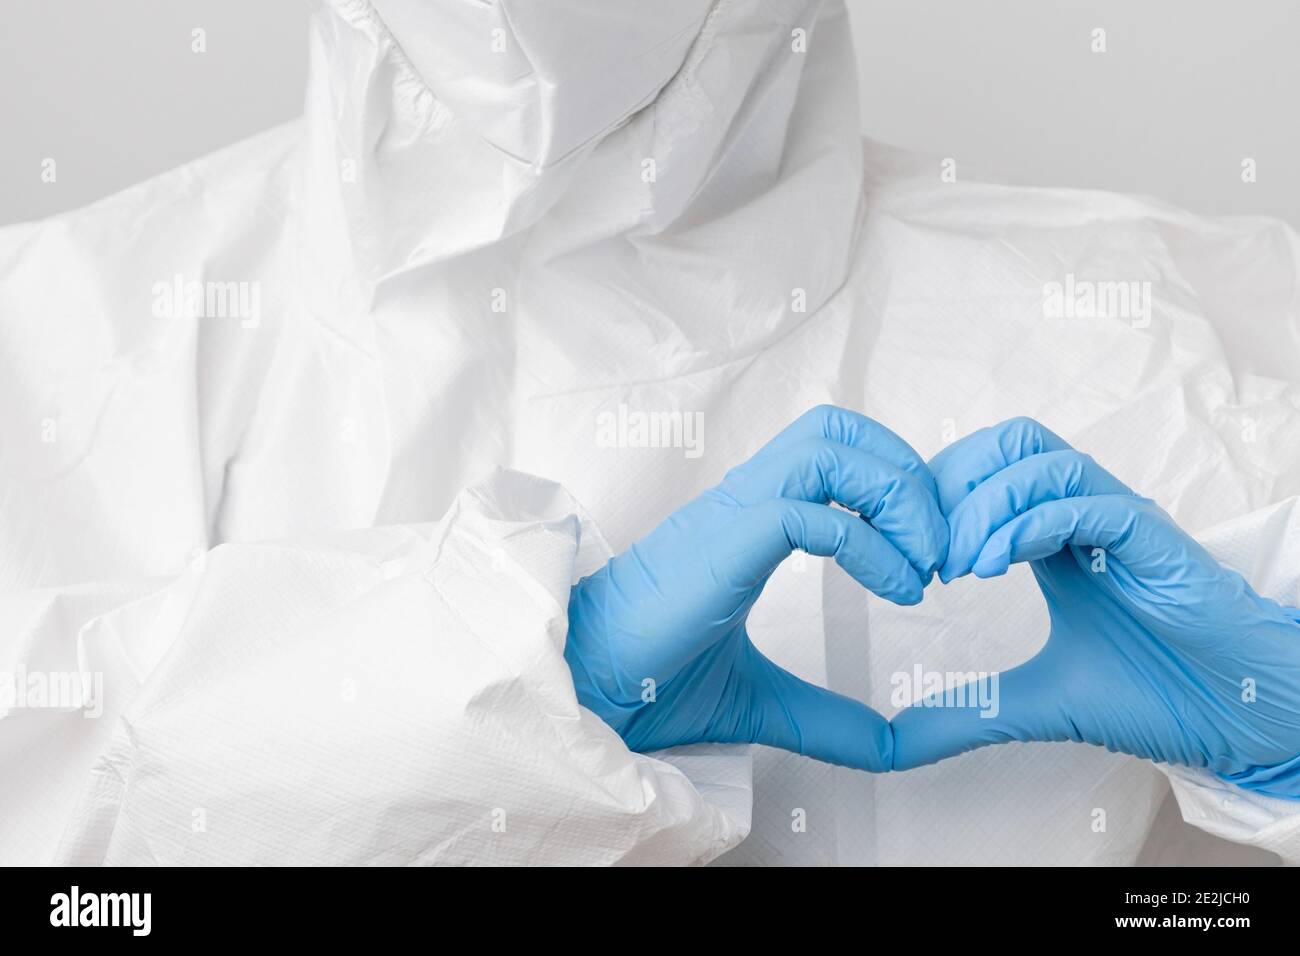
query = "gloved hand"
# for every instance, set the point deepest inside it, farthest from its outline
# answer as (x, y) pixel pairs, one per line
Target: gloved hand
(1155, 649)
(657, 640)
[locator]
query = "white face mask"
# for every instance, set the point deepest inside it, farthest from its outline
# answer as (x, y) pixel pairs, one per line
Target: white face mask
(540, 80)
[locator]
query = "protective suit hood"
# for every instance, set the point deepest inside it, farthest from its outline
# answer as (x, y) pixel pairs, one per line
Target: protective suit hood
(483, 115)
(541, 81)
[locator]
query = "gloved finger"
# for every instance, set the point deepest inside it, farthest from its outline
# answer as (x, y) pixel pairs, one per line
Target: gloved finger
(896, 502)
(769, 532)
(1130, 529)
(1014, 490)
(846, 427)
(959, 468)
(1021, 704)
(780, 710)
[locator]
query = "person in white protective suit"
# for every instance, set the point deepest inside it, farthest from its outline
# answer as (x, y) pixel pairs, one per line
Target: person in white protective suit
(250, 413)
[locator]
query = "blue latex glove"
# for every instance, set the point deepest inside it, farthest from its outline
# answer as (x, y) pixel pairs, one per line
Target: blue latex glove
(1153, 653)
(672, 609)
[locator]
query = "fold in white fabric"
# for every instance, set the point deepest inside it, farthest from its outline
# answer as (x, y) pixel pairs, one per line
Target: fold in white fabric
(395, 696)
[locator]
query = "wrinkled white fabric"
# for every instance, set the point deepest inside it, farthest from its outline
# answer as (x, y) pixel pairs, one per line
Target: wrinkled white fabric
(395, 696)
(464, 268)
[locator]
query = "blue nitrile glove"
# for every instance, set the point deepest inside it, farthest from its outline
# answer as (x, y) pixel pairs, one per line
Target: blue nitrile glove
(657, 640)
(1155, 649)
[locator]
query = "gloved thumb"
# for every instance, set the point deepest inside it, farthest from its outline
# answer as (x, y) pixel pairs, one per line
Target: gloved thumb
(1021, 704)
(781, 710)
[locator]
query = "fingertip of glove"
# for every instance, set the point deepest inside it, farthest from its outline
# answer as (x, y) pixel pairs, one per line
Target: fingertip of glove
(886, 748)
(940, 554)
(991, 564)
(910, 595)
